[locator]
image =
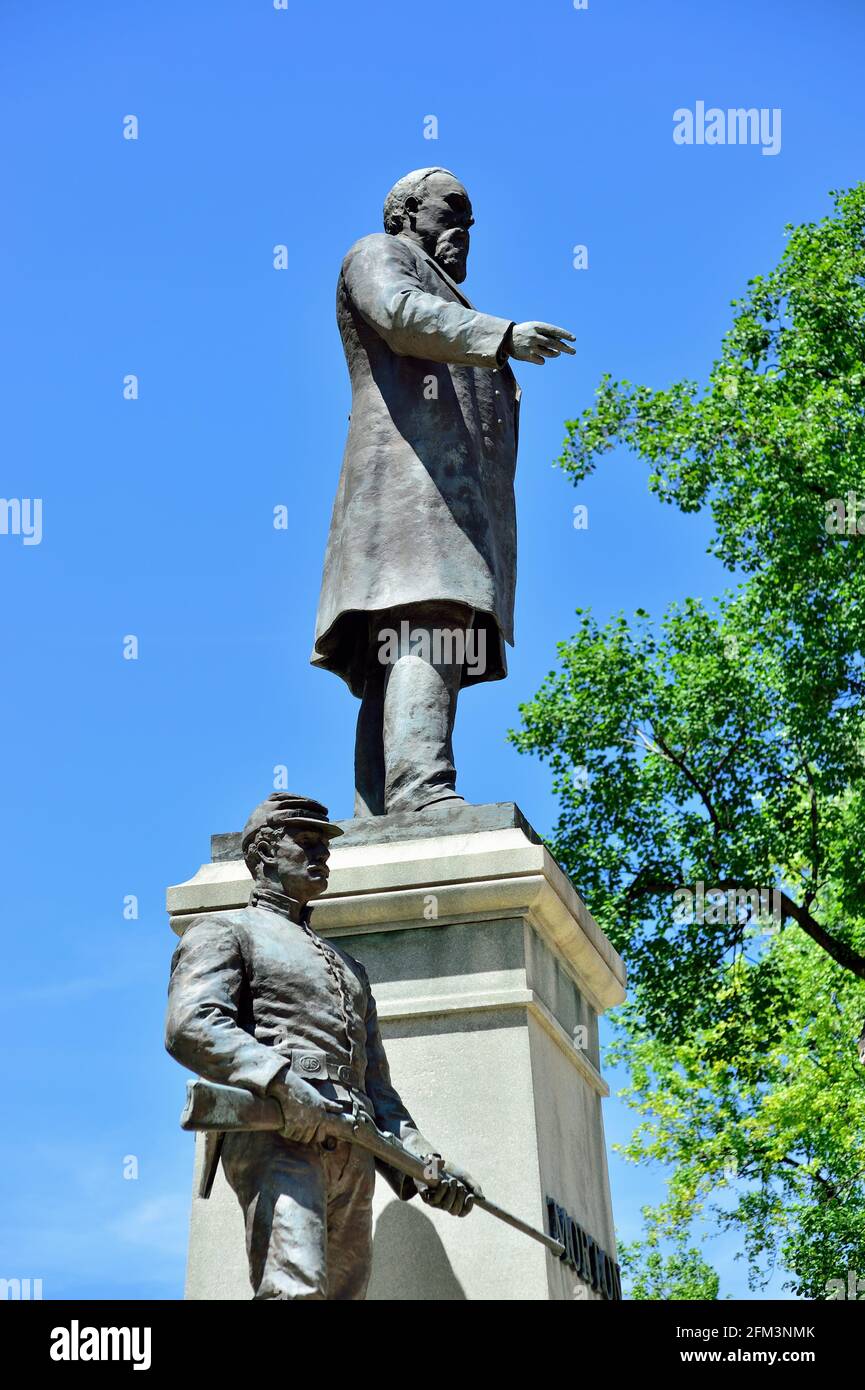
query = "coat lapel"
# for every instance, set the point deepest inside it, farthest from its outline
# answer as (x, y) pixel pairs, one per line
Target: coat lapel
(454, 287)
(443, 275)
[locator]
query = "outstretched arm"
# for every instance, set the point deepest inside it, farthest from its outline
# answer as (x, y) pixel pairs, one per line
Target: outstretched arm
(382, 279)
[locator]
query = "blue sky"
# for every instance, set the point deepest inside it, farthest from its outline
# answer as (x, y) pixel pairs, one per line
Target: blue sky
(261, 127)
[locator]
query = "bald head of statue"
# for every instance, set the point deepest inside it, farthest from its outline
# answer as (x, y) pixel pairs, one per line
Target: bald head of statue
(431, 207)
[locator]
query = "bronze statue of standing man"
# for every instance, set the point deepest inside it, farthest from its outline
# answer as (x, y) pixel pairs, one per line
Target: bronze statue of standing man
(258, 1000)
(417, 596)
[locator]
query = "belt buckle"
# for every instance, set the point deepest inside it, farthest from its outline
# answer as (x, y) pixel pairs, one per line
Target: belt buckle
(345, 1075)
(310, 1065)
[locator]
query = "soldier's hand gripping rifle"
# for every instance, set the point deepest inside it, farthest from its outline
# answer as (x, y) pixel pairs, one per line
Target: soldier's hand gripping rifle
(211, 1107)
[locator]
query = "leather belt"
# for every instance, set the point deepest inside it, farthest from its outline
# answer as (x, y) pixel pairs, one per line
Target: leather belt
(321, 1066)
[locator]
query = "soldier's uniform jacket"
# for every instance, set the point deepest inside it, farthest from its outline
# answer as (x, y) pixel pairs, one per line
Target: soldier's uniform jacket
(251, 990)
(424, 510)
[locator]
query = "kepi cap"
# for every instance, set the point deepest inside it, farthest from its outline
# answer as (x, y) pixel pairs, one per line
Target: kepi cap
(285, 810)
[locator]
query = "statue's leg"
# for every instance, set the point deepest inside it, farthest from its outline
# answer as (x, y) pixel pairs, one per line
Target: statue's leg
(368, 745)
(351, 1182)
(421, 689)
(282, 1189)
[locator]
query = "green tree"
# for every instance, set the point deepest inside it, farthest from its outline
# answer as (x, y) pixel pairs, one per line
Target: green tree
(761, 1115)
(723, 748)
(678, 1277)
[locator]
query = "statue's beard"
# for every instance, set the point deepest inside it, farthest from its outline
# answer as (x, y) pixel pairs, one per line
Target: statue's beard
(452, 253)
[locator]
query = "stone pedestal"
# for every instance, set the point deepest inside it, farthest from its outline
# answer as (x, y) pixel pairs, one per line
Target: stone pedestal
(490, 975)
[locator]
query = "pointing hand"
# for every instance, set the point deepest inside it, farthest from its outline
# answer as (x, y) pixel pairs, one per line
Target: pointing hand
(535, 342)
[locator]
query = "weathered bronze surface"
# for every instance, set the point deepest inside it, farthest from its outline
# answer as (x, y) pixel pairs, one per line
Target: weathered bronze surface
(417, 597)
(258, 1000)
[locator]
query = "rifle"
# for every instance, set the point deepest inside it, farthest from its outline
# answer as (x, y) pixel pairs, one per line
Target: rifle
(211, 1107)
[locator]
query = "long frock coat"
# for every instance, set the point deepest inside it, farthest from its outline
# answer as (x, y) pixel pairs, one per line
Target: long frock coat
(425, 504)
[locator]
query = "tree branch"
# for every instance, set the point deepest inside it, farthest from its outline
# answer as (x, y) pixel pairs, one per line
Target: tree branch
(839, 951)
(659, 746)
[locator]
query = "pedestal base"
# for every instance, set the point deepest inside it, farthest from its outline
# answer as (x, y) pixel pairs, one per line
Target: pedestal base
(490, 975)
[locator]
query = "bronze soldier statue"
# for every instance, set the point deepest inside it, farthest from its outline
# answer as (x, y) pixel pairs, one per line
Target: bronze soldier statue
(258, 1000)
(417, 596)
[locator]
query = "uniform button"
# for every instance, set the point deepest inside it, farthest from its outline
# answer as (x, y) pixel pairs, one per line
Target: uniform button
(498, 392)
